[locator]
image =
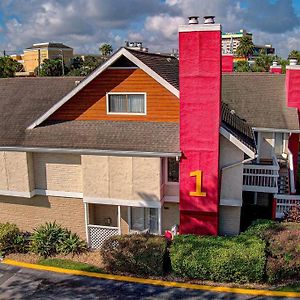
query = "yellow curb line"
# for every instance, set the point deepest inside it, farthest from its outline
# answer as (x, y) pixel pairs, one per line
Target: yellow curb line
(219, 289)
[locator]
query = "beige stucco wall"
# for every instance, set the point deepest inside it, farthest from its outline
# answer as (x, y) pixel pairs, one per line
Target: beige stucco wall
(131, 178)
(57, 172)
(169, 216)
(229, 220)
(16, 171)
(30, 213)
(232, 178)
(266, 145)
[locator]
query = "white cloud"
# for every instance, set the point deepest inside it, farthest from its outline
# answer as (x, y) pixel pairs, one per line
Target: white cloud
(84, 24)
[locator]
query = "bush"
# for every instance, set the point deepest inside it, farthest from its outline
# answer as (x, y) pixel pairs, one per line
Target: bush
(51, 239)
(224, 259)
(8, 234)
(71, 244)
(137, 254)
(21, 242)
(293, 214)
(262, 227)
(283, 262)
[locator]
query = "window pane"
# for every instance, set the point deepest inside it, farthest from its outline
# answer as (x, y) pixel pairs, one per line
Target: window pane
(173, 170)
(117, 103)
(144, 218)
(136, 103)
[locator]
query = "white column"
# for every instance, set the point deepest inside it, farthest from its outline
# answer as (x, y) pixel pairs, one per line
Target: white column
(119, 218)
(159, 220)
(87, 220)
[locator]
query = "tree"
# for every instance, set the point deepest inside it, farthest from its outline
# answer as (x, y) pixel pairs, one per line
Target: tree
(242, 66)
(246, 47)
(294, 54)
(9, 67)
(52, 67)
(80, 67)
(106, 49)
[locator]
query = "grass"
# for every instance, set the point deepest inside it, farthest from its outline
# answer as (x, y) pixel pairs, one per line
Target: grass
(290, 288)
(69, 264)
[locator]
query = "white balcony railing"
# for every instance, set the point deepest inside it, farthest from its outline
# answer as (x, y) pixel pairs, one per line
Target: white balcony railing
(98, 234)
(261, 178)
(284, 203)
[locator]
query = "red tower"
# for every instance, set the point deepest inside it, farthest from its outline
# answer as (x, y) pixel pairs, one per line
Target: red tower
(227, 63)
(200, 101)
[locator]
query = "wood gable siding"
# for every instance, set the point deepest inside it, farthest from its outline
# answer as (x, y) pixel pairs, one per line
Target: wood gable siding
(90, 102)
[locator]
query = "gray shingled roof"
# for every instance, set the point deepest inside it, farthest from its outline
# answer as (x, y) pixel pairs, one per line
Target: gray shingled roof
(257, 98)
(260, 99)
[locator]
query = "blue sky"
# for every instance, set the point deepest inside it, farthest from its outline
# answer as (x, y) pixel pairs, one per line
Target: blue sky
(84, 24)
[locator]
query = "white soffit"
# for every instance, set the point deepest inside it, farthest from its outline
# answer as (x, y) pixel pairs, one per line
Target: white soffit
(236, 142)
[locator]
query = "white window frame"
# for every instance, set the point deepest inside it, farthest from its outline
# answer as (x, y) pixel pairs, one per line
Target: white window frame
(126, 113)
(167, 174)
(159, 223)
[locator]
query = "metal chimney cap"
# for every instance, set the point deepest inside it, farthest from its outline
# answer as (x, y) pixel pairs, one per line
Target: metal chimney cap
(209, 19)
(275, 63)
(293, 62)
(193, 20)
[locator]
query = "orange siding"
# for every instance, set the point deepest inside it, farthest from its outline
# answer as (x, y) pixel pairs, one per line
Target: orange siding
(90, 102)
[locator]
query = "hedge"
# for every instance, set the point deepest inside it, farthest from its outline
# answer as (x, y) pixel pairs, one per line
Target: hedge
(137, 254)
(225, 259)
(8, 236)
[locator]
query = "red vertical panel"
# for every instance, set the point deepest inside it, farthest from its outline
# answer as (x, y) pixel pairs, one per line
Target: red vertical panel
(293, 88)
(227, 63)
(275, 70)
(200, 94)
(294, 148)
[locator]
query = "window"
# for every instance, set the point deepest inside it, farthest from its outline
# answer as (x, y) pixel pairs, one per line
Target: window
(134, 103)
(173, 170)
(144, 218)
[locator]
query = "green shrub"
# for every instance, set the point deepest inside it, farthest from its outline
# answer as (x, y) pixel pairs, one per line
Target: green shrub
(71, 244)
(224, 259)
(8, 234)
(262, 227)
(51, 239)
(21, 242)
(283, 261)
(137, 254)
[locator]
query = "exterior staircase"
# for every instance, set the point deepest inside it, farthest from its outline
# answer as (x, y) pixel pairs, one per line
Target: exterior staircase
(283, 179)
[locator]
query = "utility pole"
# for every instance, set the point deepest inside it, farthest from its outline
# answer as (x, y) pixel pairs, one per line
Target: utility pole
(39, 62)
(62, 62)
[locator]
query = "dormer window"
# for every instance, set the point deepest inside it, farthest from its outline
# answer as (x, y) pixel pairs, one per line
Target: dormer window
(126, 103)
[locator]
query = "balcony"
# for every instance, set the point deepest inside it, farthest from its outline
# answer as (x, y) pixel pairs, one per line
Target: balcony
(284, 203)
(261, 177)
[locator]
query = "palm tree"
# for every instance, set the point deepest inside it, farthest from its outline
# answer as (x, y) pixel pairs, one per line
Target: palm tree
(246, 47)
(294, 54)
(106, 49)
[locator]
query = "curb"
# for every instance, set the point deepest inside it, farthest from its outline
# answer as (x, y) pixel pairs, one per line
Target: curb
(219, 289)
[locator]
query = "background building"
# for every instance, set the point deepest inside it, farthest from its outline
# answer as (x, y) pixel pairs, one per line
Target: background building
(37, 53)
(231, 41)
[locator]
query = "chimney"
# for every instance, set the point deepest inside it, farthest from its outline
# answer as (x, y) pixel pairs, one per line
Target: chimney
(200, 101)
(275, 68)
(227, 63)
(292, 86)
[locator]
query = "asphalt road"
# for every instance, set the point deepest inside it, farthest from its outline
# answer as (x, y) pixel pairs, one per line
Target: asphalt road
(21, 283)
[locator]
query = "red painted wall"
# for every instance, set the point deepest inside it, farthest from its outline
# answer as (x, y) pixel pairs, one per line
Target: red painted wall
(275, 70)
(227, 63)
(200, 99)
(294, 148)
(293, 87)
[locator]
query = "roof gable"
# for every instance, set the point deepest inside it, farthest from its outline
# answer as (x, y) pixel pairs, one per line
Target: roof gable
(122, 52)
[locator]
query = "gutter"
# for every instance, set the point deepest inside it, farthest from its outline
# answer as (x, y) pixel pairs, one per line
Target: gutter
(263, 129)
(91, 151)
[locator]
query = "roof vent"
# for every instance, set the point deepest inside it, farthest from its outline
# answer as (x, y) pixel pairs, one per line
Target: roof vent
(77, 82)
(293, 62)
(193, 20)
(209, 19)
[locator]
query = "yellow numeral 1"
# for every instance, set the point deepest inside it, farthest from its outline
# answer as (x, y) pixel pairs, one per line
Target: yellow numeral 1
(198, 192)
